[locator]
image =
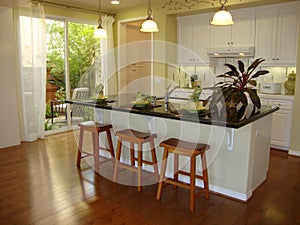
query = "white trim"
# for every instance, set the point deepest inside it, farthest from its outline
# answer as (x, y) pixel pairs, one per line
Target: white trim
(280, 147)
(294, 152)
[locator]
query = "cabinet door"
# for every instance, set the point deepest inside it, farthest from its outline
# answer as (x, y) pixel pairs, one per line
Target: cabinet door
(266, 34)
(277, 35)
(240, 34)
(219, 36)
(186, 42)
(201, 39)
(287, 37)
(281, 125)
(243, 30)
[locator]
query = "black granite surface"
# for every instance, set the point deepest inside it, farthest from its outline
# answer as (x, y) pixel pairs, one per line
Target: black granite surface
(125, 103)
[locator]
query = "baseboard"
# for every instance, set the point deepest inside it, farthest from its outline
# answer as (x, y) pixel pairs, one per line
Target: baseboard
(294, 152)
(222, 191)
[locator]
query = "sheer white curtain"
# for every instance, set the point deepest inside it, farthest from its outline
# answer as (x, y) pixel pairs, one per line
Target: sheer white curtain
(108, 64)
(30, 21)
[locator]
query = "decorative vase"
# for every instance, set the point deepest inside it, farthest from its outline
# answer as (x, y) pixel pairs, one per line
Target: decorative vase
(289, 84)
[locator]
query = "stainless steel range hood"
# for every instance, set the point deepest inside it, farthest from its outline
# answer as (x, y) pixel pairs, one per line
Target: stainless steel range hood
(231, 52)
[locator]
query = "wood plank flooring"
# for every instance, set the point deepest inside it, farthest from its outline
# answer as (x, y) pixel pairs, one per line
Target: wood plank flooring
(40, 184)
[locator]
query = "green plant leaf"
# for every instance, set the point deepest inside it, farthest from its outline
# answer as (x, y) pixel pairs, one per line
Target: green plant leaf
(260, 73)
(252, 82)
(254, 97)
(253, 66)
(233, 69)
(241, 66)
(241, 112)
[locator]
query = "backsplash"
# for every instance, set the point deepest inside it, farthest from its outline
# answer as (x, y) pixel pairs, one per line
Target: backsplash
(207, 73)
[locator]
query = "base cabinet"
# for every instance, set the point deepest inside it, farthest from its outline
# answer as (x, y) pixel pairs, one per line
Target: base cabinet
(281, 122)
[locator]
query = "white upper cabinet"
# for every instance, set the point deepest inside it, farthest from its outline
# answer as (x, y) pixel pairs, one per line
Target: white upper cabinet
(240, 34)
(193, 39)
(277, 34)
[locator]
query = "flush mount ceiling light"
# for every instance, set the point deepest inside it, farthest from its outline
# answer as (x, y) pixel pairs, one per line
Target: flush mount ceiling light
(115, 2)
(222, 17)
(149, 25)
(100, 32)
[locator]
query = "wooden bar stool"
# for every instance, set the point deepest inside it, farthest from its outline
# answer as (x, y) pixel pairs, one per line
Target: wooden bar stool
(95, 129)
(139, 138)
(189, 149)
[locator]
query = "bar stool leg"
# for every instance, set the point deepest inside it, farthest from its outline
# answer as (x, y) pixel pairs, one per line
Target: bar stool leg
(162, 174)
(154, 160)
(176, 159)
(140, 158)
(110, 144)
(192, 183)
(205, 175)
(95, 138)
(132, 154)
(118, 156)
(79, 147)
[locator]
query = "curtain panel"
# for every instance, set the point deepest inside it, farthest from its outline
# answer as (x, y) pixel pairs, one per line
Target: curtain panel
(108, 64)
(31, 37)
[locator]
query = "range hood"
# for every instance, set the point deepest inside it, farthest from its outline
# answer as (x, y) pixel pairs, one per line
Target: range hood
(231, 52)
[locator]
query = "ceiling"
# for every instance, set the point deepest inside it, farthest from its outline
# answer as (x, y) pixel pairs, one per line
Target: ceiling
(189, 5)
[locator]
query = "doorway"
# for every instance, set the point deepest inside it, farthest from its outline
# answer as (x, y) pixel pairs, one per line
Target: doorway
(135, 58)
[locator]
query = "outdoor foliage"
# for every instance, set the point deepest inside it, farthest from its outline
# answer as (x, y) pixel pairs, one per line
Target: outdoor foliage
(82, 47)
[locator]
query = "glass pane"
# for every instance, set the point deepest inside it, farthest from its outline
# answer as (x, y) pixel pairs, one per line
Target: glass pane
(83, 50)
(56, 83)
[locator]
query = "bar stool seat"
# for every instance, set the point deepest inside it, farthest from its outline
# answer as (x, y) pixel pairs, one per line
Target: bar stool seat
(139, 138)
(189, 149)
(95, 128)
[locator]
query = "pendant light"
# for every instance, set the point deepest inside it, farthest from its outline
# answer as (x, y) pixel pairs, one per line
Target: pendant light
(149, 25)
(100, 32)
(222, 17)
(115, 2)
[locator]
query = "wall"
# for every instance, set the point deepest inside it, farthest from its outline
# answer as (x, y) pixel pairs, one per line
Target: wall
(163, 54)
(295, 141)
(10, 131)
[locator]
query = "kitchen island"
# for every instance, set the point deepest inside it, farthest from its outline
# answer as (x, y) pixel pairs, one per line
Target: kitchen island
(239, 156)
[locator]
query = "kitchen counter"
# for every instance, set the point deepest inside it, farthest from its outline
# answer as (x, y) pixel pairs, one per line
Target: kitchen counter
(239, 155)
(278, 97)
(175, 110)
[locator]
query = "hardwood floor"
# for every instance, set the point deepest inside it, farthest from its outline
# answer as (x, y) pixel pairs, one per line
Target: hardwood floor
(40, 184)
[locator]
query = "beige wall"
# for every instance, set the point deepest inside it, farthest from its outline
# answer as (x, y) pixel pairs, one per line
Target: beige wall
(167, 25)
(9, 120)
(295, 140)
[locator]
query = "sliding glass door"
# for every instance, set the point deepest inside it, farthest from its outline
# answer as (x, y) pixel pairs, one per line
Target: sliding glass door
(71, 54)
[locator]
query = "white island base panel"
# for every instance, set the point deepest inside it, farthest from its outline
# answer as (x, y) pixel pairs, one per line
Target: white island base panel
(237, 161)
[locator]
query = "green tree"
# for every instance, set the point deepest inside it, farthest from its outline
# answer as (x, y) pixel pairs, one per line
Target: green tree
(83, 49)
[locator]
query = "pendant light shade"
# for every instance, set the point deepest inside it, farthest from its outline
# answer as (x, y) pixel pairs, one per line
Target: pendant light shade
(149, 25)
(100, 32)
(115, 2)
(222, 17)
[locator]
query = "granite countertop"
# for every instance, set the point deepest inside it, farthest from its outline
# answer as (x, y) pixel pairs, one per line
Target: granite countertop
(174, 110)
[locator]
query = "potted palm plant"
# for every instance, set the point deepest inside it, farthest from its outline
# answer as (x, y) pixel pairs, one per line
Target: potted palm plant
(232, 92)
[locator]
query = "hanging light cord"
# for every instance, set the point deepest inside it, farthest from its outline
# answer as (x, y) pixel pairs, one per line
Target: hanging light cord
(149, 12)
(99, 20)
(223, 4)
